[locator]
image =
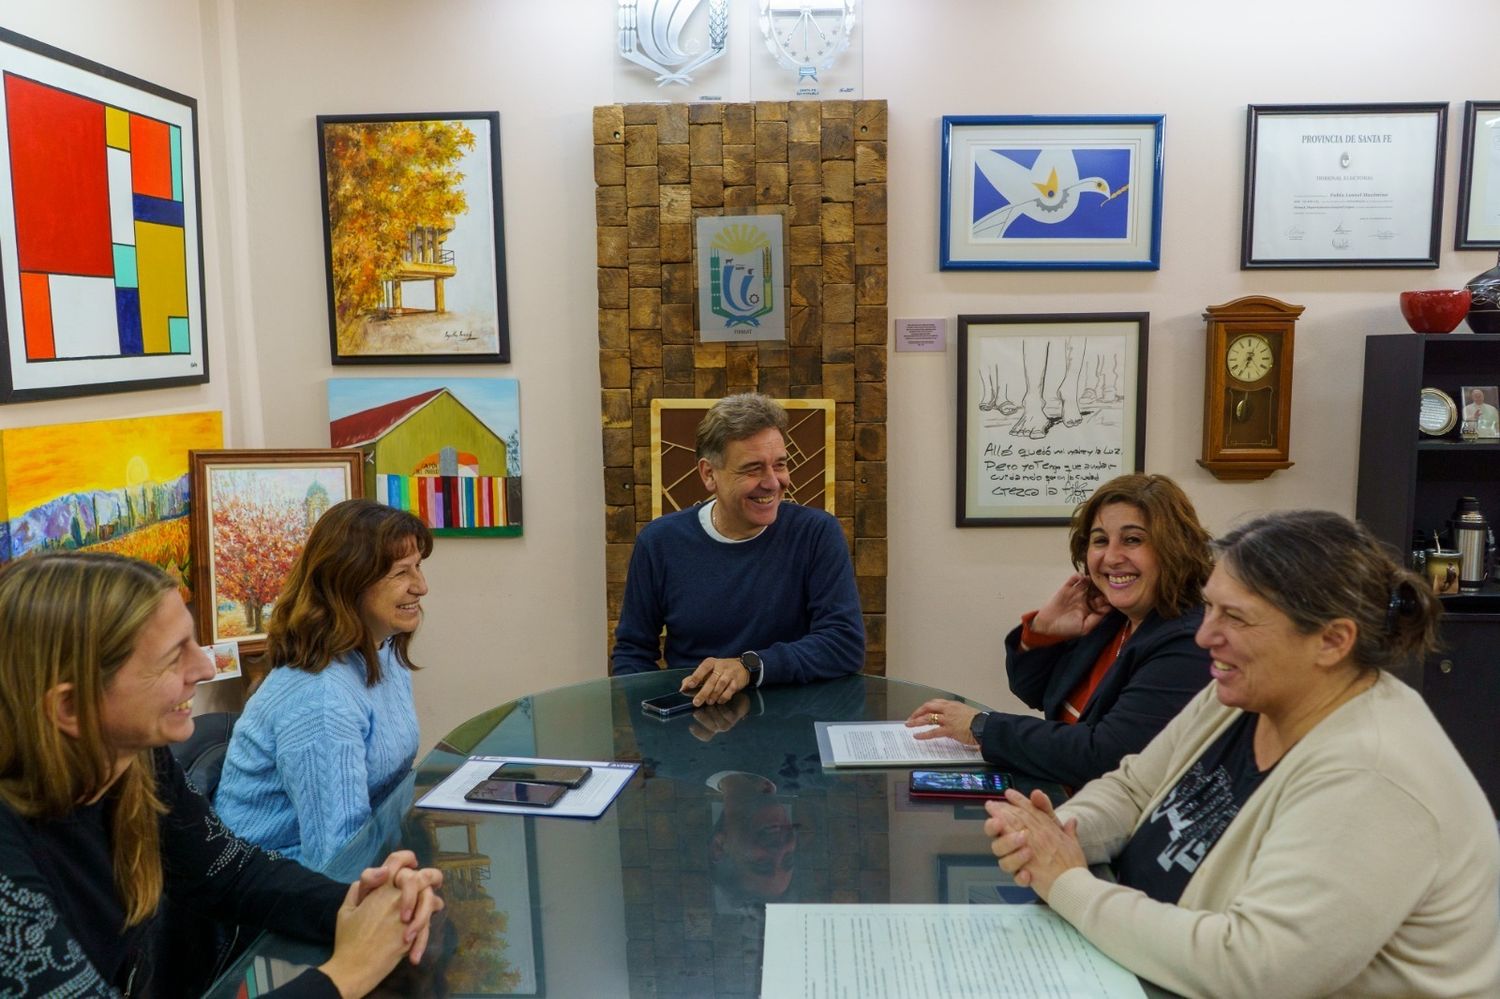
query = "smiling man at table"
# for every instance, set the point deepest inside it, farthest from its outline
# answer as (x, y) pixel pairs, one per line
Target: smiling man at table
(750, 588)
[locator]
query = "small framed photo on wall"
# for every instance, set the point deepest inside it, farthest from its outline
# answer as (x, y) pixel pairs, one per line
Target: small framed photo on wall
(1480, 417)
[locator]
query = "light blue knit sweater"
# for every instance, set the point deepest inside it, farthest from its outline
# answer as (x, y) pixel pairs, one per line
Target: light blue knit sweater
(313, 752)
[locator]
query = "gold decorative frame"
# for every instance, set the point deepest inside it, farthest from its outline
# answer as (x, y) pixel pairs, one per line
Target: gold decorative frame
(811, 448)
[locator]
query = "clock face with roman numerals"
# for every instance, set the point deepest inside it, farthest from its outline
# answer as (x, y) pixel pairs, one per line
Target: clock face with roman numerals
(1248, 357)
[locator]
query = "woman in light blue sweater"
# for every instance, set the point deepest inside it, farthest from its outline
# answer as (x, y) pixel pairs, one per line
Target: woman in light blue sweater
(332, 729)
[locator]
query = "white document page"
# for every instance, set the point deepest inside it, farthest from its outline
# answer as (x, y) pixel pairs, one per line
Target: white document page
(585, 802)
(865, 744)
(933, 952)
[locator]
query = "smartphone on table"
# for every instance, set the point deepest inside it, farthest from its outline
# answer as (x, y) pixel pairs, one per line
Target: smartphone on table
(516, 792)
(668, 705)
(542, 773)
(974, 785)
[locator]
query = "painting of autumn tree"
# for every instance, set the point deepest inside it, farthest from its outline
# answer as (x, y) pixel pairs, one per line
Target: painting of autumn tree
(258, 517)
(412, 210)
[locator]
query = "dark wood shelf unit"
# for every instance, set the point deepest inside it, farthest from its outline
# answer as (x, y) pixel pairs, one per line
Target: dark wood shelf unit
(1408, 481)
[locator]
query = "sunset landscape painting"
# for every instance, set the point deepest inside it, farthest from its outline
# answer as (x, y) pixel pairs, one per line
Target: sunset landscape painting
(109, 485)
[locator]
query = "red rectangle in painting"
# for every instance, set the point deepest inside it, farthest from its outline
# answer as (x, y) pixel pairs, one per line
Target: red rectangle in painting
(59, 180)
(150, 157)
(36, 316)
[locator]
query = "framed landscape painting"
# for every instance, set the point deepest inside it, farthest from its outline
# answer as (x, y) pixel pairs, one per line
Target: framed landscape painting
(108, 485)
(101, 249)
(445, 449)
(414, 238)
(253, 512)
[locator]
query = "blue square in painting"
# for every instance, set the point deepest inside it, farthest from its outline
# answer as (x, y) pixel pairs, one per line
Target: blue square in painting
(128, 315)
(125, 274)
(177, 333)
(159, 210)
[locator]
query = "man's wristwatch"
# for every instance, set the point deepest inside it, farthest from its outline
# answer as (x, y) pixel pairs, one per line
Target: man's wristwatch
(976, 727)
(753, 666)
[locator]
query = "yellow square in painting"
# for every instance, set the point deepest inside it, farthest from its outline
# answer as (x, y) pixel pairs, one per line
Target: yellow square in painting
(116, 128)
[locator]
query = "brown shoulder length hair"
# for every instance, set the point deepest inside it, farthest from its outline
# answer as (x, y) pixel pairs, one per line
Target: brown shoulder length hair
(74, 618)
(1182, 545)
(316, 618)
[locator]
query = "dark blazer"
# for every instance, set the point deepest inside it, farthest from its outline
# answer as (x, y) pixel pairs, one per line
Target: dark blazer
(1159, 671)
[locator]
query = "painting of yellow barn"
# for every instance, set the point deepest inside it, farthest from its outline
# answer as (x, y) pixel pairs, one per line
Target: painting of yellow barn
(447, 450)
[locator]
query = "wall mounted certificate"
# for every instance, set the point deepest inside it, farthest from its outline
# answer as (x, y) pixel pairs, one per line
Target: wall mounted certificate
(1343, 185)
(1479, 178)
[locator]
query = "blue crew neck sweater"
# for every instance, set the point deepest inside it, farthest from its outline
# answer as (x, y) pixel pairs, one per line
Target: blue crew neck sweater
(787, 594)
(314, 752)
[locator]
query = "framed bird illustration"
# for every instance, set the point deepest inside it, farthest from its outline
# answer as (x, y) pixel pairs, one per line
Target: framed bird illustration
(1065, 192)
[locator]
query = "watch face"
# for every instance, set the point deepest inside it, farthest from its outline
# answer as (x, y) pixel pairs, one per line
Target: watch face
(1248, 357)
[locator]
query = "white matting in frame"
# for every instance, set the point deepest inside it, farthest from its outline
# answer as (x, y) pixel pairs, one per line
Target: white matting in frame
(1049, 408)
(1051, 192)
(100, 239)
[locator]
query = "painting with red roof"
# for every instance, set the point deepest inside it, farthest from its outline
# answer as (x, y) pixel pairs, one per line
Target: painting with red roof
(445, 449)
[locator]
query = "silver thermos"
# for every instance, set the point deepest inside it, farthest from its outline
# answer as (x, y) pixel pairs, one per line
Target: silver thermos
(1471, 538)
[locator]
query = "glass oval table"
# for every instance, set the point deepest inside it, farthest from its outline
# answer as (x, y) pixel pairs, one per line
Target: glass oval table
(664, 894)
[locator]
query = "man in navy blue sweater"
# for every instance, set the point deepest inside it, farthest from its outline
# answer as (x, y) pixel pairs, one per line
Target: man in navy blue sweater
(750, 590)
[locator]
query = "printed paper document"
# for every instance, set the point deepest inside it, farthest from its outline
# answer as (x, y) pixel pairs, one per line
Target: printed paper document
(933, 952)
(886, 744)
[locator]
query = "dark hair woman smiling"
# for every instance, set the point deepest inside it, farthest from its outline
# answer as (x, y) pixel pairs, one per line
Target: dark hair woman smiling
(1110, 658)
(333, 728)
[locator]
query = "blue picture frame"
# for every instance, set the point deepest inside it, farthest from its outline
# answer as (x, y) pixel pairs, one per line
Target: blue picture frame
(1051, 192)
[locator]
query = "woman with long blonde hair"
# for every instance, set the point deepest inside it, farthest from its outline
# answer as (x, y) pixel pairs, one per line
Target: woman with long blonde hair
(99, 829)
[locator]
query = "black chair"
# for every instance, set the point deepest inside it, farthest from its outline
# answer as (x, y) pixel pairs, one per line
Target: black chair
(201, 756)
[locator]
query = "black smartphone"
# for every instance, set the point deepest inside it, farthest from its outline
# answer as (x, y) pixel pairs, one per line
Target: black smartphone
(971, 784)
(542, 773)
(668, 704)
(515, 792)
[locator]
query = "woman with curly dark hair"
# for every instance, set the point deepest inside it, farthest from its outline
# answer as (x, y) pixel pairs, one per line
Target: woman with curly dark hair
(1110, 658)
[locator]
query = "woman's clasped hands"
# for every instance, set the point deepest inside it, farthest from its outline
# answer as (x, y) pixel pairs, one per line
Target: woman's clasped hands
(1030, 843)
(386, 915)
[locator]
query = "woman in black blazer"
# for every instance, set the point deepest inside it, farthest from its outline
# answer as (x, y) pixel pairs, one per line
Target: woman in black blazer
(1110, 658)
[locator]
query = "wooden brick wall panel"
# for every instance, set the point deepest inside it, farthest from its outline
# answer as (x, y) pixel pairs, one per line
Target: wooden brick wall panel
(822, 167)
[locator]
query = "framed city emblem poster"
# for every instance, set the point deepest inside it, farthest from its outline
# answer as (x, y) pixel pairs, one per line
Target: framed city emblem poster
(741, 278)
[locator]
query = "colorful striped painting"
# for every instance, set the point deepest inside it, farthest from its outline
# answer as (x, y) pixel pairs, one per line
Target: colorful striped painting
(447, 450)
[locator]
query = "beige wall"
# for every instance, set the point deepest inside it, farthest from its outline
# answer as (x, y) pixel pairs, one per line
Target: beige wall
(264, 68)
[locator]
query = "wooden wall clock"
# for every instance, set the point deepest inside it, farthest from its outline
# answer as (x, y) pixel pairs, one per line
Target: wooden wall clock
(1247, 387)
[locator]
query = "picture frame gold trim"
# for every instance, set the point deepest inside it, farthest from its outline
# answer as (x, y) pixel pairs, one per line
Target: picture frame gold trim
(796, 408)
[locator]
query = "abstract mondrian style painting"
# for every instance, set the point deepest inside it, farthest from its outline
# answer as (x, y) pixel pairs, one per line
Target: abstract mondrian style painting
(100, 245)
(445, 449)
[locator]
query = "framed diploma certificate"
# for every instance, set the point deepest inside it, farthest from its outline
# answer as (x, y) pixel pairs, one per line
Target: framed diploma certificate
(1343, 185)
(1479, 178)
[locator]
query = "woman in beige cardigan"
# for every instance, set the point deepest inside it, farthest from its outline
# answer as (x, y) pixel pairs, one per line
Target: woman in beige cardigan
(1304, 827)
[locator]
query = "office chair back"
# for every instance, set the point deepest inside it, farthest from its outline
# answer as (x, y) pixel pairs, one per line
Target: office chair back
(202, 754)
